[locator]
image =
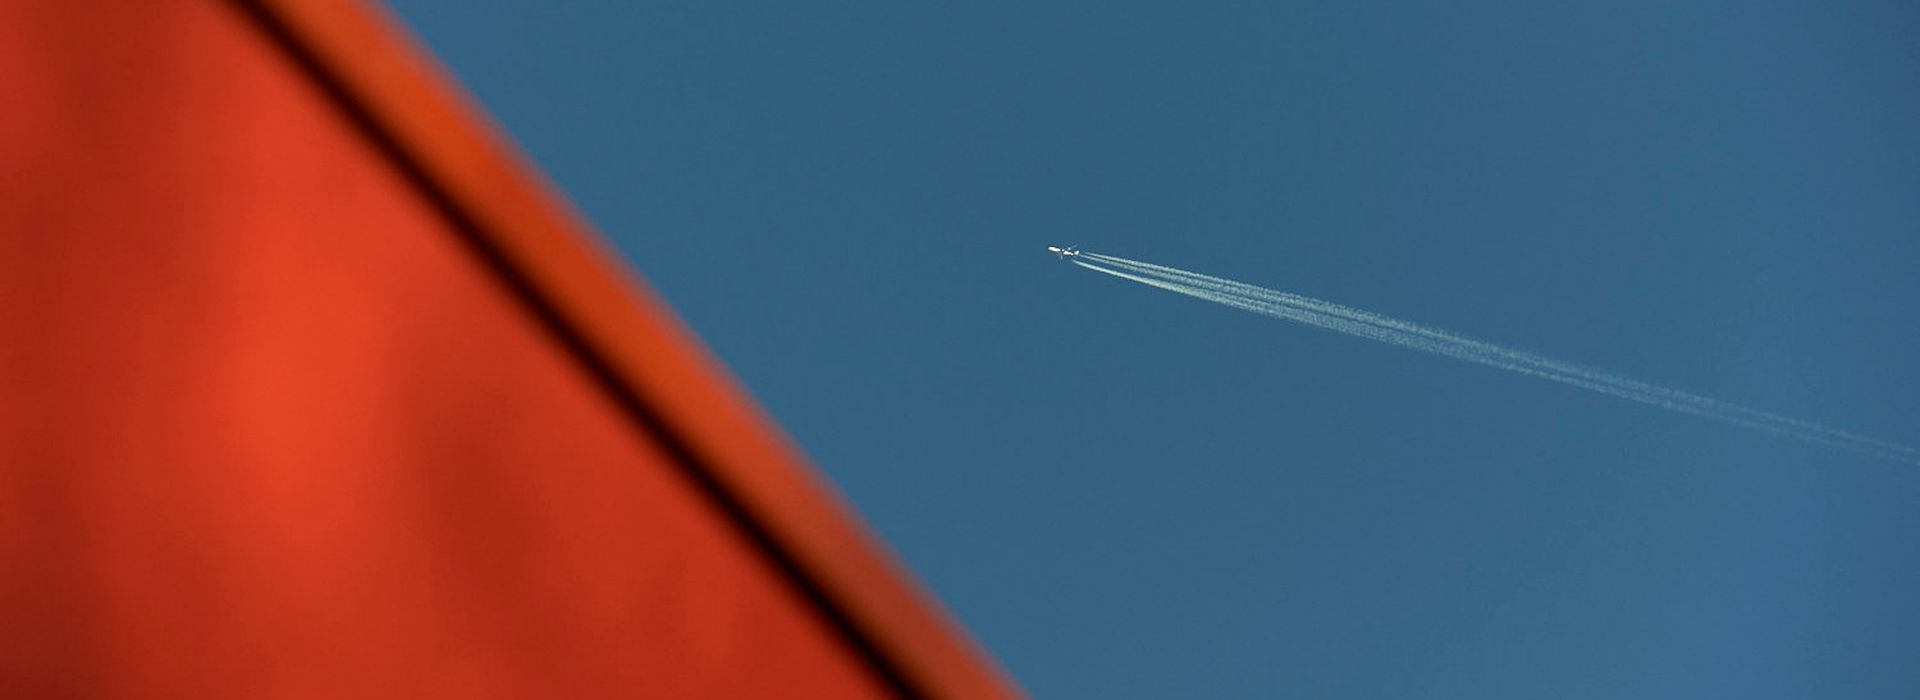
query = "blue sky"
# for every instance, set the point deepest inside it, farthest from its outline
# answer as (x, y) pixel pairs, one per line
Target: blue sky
(1126, 493)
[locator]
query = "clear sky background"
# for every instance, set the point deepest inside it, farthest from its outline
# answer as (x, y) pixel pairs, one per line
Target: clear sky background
(1126, 493)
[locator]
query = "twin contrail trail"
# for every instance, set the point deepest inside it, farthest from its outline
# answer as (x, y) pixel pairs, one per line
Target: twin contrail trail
(1366, 324)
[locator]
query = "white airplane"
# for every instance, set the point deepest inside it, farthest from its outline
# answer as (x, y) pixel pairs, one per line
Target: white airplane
(1063, 253)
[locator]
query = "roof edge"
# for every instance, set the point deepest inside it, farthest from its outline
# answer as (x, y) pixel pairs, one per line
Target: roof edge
(630, 341)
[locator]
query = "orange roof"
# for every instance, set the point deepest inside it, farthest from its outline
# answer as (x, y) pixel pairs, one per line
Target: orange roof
(301, 357)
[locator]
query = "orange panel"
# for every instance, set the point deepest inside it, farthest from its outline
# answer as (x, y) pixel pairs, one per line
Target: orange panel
(268, 427)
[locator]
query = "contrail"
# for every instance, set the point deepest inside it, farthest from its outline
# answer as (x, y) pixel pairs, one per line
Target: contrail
(1386, 329)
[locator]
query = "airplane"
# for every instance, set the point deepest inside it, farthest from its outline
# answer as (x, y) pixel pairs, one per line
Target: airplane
(1063, 253)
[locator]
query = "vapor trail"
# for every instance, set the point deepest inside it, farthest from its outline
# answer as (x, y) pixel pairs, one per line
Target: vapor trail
(1386, 329)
